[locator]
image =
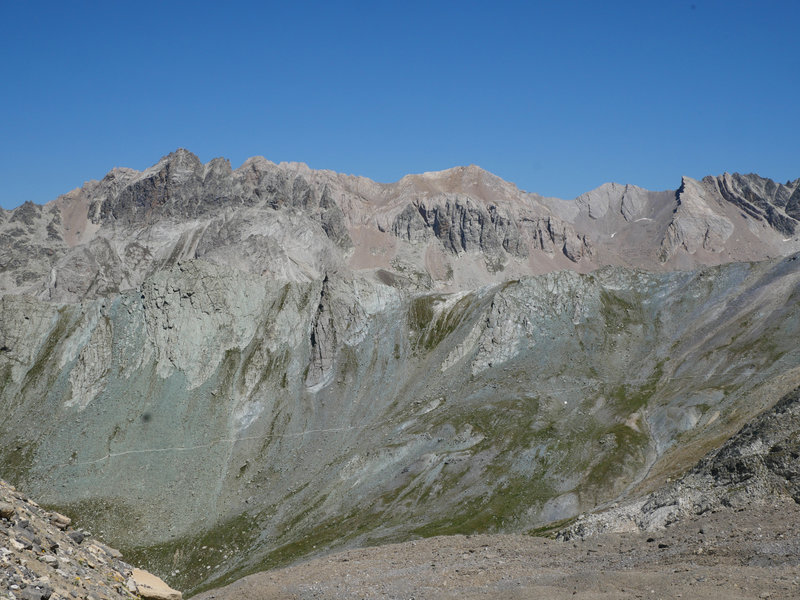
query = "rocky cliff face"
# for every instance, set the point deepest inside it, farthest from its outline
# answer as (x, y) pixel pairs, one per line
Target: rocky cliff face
(243, 367)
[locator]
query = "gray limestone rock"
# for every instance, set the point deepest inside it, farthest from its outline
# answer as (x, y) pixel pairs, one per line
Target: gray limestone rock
(410, 226)
(551, 235)
(6, 510)
(462, 225)
(760, 198)
(695, 224)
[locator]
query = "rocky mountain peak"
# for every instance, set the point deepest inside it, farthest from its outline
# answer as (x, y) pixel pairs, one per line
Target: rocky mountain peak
(444, 230)
(760, 199)
(472, 180)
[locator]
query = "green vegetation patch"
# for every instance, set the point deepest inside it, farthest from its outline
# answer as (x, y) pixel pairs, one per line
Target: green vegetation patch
(110, 513)
(46, 355)
(427, 328)
(628, 399)
(623, 450)
(497, 510)
(619, 312)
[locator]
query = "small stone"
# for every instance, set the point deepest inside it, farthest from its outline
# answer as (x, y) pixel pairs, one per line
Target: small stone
(49, 559)
(76, 536)
(112, 552)
(36, 593)
(19, 546)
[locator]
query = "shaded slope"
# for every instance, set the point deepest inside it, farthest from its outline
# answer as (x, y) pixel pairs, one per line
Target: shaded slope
(753, 468)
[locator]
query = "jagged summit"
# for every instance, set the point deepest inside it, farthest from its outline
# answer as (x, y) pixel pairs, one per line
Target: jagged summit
(761, 199)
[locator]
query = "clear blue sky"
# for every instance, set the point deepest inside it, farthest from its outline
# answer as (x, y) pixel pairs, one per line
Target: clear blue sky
(557, 97)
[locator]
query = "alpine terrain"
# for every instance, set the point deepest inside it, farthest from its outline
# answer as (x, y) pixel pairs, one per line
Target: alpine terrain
(223, 371)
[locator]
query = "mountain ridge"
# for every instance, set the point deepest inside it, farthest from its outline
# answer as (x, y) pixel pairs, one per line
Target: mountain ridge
(446, 230)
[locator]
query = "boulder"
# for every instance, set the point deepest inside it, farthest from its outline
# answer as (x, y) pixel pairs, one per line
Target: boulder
(60, 521)
(6, 510)
(151, 587)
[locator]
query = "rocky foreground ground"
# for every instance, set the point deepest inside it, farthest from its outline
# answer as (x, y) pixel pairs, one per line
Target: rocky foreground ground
(729, 554)
(42, 557)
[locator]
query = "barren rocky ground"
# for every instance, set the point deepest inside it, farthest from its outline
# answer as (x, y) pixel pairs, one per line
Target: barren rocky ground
(728, 554)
